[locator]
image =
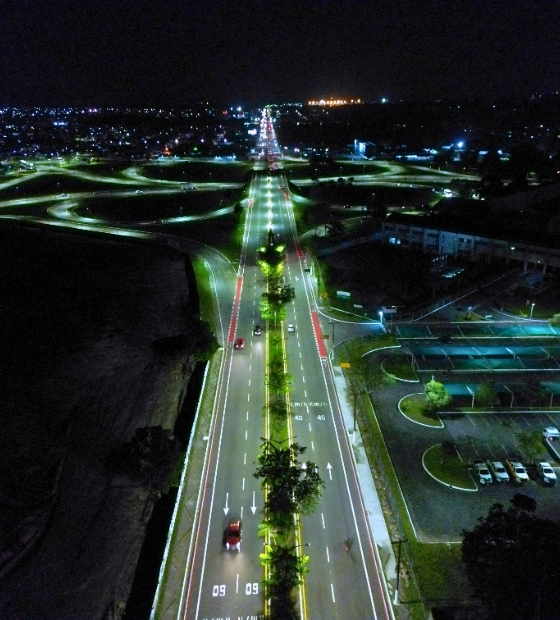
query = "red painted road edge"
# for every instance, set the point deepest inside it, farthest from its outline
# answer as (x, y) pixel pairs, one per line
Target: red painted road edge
(318, 334)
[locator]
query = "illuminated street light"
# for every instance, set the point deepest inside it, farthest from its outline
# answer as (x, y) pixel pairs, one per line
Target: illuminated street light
(531, 314)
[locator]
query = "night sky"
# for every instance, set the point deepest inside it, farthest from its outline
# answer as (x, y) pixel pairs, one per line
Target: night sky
(161, 52)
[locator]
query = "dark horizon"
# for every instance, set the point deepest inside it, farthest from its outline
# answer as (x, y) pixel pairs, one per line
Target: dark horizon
(250, 53)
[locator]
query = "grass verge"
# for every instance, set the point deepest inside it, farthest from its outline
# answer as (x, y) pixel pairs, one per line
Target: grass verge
(204, 291)
(359, 347)
(445, 465)
(399, 366)
(436, 566)
(416, 408)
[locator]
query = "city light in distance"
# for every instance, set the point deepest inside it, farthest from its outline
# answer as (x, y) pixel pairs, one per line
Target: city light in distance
(334, 102)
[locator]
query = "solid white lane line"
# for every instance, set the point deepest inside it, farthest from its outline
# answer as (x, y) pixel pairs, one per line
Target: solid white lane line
(237, 584)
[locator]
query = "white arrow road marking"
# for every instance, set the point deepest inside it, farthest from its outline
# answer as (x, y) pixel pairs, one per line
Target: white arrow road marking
(226, 509)
(329, 467)
(253, 507)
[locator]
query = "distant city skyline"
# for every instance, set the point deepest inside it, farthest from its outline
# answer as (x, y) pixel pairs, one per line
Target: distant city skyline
(254, 52)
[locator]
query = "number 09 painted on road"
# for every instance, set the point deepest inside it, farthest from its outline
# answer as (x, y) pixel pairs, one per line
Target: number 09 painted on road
(250, 588)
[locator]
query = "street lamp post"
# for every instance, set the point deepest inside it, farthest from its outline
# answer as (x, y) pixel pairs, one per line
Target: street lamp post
(531, 314)
(332, 323)
(381, 317)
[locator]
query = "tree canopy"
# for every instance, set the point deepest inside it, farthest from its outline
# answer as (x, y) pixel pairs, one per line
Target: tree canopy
(437, 395)
(292, 486)
(486, 394)
(508, 559)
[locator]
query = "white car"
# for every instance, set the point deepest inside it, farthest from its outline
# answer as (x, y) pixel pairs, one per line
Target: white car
(482, 471)
(499, 471)
(546, 473)
(291, 327)
(517, 471)
(551, 432)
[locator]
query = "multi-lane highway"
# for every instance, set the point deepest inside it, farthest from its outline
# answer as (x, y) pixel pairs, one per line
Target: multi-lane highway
(227, 584)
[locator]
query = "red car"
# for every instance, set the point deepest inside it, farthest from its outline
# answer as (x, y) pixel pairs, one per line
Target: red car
(233, 536)
(239, 344)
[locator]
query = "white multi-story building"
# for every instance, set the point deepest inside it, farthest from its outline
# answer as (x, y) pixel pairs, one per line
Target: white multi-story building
(471, 247)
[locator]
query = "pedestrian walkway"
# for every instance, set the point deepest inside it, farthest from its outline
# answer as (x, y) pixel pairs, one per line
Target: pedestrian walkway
(374, 511)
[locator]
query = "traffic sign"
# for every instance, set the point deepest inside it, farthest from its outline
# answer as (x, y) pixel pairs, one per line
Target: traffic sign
(345, 364)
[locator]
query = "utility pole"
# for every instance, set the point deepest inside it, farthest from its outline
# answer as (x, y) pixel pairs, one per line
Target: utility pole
(354, 394)
(332, 323)
(398, 542)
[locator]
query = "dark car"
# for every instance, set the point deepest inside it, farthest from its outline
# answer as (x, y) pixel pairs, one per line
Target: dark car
(445, 339)
(232, 536)
(257, 331)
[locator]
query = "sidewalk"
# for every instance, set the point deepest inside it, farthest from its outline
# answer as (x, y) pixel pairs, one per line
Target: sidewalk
(372, 505)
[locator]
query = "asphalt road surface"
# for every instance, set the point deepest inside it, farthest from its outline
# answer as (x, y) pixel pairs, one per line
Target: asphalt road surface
(227, 584)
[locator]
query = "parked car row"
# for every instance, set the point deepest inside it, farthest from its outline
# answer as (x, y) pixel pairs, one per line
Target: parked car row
(487, 472)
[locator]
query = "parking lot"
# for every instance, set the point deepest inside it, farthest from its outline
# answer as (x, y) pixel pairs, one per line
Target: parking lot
(494, 436)
(483, 357)
(461, 356)
(464, 329)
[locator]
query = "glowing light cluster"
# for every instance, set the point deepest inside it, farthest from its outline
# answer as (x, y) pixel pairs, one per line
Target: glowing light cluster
(334, 102)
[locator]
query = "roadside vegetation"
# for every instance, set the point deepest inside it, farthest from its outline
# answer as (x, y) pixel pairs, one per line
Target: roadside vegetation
(429, 572)
(443, 462)
(415, 407)
(509, 559)
(204, 289)
(400, 367)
